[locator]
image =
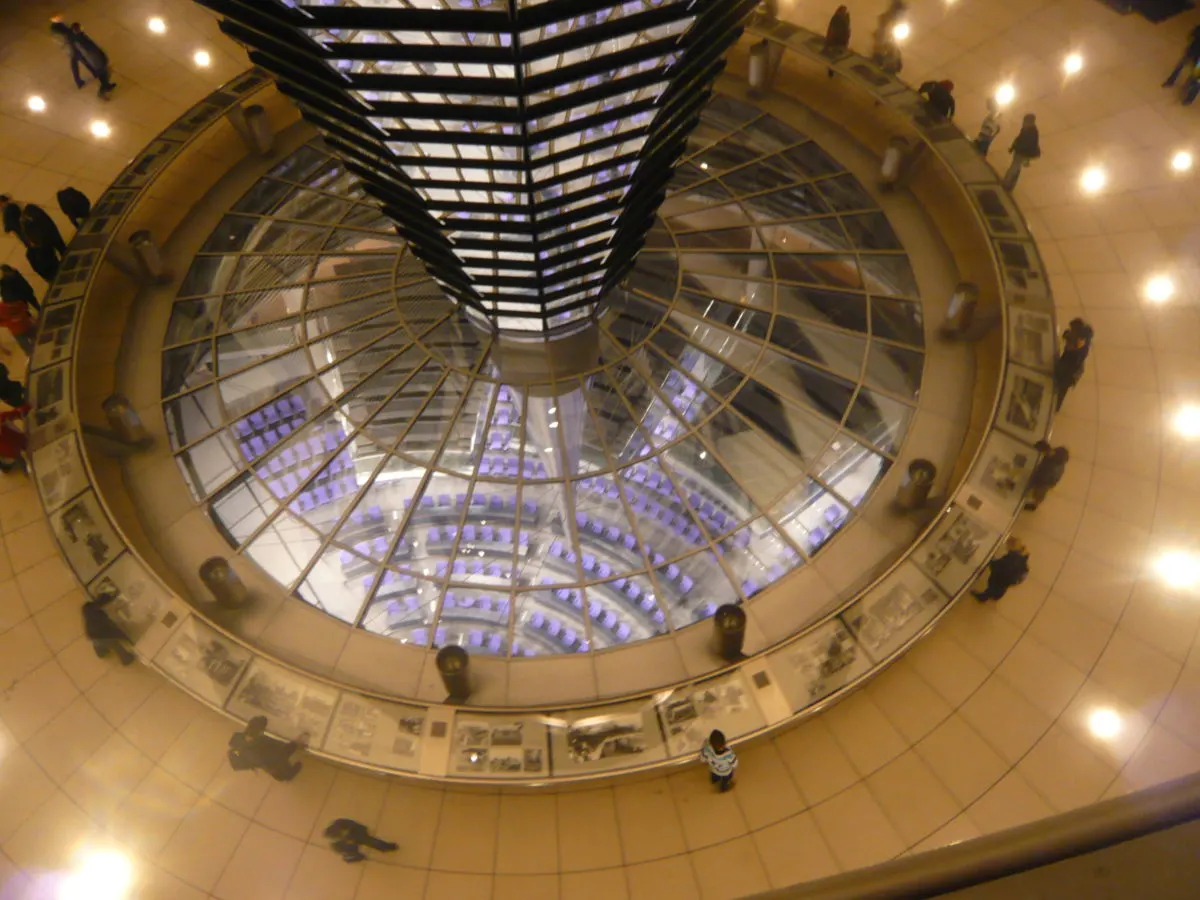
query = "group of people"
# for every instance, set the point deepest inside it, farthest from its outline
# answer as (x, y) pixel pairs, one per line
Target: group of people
(939, 95)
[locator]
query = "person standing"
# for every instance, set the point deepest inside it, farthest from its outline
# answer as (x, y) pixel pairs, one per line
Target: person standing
(348, 838)
(837, 35)
(44, 262)
(12, 439)
(252, 749)
(1191, 56)
(1025, 149)
(11, 392)
(15, 317)
(940, 97)
(989, 127)
(41, 230)
(105, 634)
(1047, 473)
(74, 204)
(82, 49)
(11, 211)
(1068, 368)
(1005, 572)
(722, 761)
(15, 288)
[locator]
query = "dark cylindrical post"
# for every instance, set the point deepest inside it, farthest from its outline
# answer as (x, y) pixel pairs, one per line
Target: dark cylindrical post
(258, 130)
(961, 311)
(453, 665)
(760, 69)
(917, 483)
(226, 587)
(893, 162)
(148, 257)
(124, 420)
(729, 624)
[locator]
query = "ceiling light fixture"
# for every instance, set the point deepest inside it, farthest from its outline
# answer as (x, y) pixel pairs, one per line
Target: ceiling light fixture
(1159, 289)
(1005, 94)
(1073, 64)
(202, 58)
(1187, 421)
(100, 128)
(1105, 723)
(1093, 180)
(1178, 569)
(157, 25)
(1181, 161)
(36, 103)
(901, 31)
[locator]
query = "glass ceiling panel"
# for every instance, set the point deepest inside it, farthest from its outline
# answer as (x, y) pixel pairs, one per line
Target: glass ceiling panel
(699, 460)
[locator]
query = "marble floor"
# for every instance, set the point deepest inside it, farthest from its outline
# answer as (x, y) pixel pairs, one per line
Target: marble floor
(1083, 683)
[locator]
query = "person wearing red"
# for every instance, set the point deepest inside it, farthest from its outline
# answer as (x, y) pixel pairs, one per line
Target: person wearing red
(14, 316)
(12, 439)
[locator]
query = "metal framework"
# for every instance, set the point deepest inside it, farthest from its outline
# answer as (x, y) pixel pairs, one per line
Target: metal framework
(522, 148)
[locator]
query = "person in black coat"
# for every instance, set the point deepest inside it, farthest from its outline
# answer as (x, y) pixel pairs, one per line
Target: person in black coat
(253, 749)
(1025, 148)
(348, 837)
(1068, 368)
(940, 96)
(41, 230)
(1005, 572)
(1191, 56)
(105, 634)
(44, 262)
(82, 49)
(74, 204)
(1047, 473)
(11, 392)
(15, 288)
(10, 209)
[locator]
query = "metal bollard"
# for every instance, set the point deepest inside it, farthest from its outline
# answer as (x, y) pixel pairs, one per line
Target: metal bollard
(453, 664)
(961, 311)
(760, 59)
(125, 422)
(917, 483)
(223, 583)
(259, 137)
(893, 163)
(148, 257)
(729, 627)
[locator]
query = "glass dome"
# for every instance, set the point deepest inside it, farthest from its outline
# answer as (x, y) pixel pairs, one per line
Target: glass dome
(352, 433)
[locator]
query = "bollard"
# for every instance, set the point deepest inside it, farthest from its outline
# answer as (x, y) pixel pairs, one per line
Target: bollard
(961, 311)
(917, 483)
(759, 65)
(148, 257)
(124, 421)
(226, 587)
(453, 665)
(893, 163)
(258, 136)
(729, 627)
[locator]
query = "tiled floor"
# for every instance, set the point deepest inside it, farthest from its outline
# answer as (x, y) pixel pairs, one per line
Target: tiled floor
(988, 723)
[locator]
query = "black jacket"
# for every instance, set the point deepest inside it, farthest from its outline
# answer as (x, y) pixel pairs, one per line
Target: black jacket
(15, 288)
(96, 623)
(1009, 569)
(1026, 143)
(74, 203)
(39, 227)
(12, 218)
(940, 100)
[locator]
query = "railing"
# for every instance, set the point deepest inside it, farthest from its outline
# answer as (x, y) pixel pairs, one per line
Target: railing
(563, 743)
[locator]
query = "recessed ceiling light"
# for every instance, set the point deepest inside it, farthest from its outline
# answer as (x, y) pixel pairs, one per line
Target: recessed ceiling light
(1073, 63)
(202, 58)
(1093, 180)
(100, 129)
(1178, 569)
(99, 875)
(901, 31)
(1187, 421)
(157, 25)
(1159, 289)
(1181, 161)
(1105, 723)
(1005, 94)
(36, 103)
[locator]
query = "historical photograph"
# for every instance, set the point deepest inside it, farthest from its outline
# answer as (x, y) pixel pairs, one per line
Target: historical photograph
(818, 664)
(203, 660)
(498, 747)
(84, 533)
(895, 612)
(295, 705)
(605, 736)
(724, 702)
(375, 731)
(139, 601)
(58, 470)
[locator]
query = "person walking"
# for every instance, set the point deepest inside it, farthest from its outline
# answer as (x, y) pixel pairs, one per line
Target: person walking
(15, 288)
(105, 634)
(1025, 149)
(83, 50)
(15, 317)
(44, 262)
(1068, 368)
(940, 97)
(10, 209)
(12, 439)
(1189, 60)
(721, 760)
(42, 230)
(12, 392)
(74, 204)
(989, 127)
(837, 35)
(252, 749)
(1047, 473)
(348, 838)
(1005, 572)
